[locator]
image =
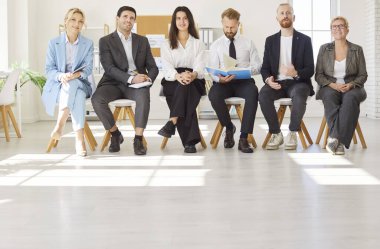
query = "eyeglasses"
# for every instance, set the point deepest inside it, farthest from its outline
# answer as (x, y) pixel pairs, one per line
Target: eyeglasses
(336, 27)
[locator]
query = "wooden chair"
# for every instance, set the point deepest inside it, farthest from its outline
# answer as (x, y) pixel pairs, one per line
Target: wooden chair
(122, 107)
(237, 103)
(284, 103)
(89, 136)
(324, 128)
(7, 98)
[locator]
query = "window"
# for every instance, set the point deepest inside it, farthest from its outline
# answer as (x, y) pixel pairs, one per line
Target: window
(313, 19)
(3, 35)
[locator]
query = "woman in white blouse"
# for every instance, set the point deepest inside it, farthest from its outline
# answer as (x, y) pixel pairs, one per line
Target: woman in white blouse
(183, 84)
(341, 74)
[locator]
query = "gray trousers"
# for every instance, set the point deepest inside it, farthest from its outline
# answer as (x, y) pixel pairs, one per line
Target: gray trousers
(298, 92)
(342, 111)
(107, 93)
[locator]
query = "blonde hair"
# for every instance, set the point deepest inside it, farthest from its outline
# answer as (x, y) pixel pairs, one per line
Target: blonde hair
(73, 11)
(230, 13)
(285, 4)
(341, 18)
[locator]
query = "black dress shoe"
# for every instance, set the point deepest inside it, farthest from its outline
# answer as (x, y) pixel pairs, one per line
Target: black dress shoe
(116, 140)
(244, 146)
(138, 147)
(190, 149)
(167, 130)
(229, 141)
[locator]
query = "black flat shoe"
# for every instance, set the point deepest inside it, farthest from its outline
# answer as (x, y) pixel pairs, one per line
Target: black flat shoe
(190, 149)
(167, 130)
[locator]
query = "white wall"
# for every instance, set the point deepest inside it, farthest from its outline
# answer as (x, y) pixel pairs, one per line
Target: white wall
(258, 18)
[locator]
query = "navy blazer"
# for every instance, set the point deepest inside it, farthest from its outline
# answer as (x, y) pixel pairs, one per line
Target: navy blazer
(302, 57)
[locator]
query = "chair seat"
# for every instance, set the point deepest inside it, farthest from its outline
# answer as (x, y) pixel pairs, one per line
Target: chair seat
(122, 103)
(284, 101)
(234, 101)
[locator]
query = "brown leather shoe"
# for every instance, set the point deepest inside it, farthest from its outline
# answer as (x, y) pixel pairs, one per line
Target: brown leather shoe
(244, 146)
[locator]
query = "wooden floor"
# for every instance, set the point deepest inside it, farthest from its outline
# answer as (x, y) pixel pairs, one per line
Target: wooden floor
(222, 198)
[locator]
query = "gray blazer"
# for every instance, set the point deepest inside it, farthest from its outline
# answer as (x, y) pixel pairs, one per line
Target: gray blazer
(115, 63)
(356, 72)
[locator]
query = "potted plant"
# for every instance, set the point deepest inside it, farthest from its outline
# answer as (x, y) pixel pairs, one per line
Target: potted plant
(28, 75)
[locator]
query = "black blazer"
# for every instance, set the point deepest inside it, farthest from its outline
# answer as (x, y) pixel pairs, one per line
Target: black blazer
(302, 57)
(115, 63)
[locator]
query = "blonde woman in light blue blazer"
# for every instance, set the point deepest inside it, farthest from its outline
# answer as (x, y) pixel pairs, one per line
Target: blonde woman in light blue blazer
(66, 85)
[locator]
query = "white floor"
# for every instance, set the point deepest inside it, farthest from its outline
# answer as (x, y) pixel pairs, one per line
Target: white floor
(222, 199)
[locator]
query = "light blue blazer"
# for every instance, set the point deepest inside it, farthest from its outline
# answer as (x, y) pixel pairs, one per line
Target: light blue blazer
(56, 64)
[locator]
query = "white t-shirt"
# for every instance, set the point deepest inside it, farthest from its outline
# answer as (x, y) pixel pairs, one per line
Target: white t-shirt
(285, 55)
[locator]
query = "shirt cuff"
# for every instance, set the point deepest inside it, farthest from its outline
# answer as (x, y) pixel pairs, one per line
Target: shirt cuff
(130, 79)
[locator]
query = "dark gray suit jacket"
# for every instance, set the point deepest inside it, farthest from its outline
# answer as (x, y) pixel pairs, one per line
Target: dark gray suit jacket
(356, 72)
(302, 57)
(115, 63)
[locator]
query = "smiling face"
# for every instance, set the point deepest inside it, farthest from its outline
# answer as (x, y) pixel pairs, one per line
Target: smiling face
(339, 29)
(230, 27)
(181, 21)
(74, 24)
(285, 16)
(126, 21)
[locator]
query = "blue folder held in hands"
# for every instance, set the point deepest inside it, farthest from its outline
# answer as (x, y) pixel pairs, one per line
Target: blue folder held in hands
(240, 74)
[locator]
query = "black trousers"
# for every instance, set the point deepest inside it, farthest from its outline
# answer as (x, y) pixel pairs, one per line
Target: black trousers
(297, 91)
(245, 89)
(183, 101)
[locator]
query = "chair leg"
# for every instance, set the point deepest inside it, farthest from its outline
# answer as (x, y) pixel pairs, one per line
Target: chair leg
(107, 135)
(52, 144)
(5, 123)
(320, 132)
(217, 134)
(361, 137)
(164, 142)
(89, 136)
(354, 138)
(302, 138)
(203, 142)
(306, 132)
(13, 119)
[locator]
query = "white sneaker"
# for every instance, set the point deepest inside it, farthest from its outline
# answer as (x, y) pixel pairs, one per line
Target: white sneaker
(340, 149)
(275, 141)
(291, 141)
(332, 145)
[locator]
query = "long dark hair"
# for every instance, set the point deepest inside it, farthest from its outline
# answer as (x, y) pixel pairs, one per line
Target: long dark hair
(173, 32)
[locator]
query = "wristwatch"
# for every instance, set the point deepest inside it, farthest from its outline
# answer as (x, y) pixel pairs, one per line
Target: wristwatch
(296, 77)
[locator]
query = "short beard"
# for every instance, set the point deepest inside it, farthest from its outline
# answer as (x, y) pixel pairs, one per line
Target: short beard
(286, 24)
(230, 37)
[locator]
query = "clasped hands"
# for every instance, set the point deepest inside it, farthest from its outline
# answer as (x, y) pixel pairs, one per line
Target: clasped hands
(139, 78)
(341, 87)
(186, 77)
(284, 70)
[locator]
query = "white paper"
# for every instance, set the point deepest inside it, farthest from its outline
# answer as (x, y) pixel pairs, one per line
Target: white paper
(142, 84)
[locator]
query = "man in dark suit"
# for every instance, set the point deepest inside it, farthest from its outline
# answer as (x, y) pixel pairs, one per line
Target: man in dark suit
(127, 59)
(288, 65)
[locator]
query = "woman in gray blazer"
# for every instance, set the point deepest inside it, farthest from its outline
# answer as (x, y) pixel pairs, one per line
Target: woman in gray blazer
(341, 74)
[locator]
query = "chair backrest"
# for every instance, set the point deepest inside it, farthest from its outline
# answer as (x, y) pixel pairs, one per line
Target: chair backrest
(7, 96)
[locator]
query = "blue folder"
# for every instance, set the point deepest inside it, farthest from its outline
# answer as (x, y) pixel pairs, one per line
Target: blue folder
(239, 73)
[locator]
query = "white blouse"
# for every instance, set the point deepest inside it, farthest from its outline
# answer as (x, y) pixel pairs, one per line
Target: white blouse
(340, 71)
(190, 56)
